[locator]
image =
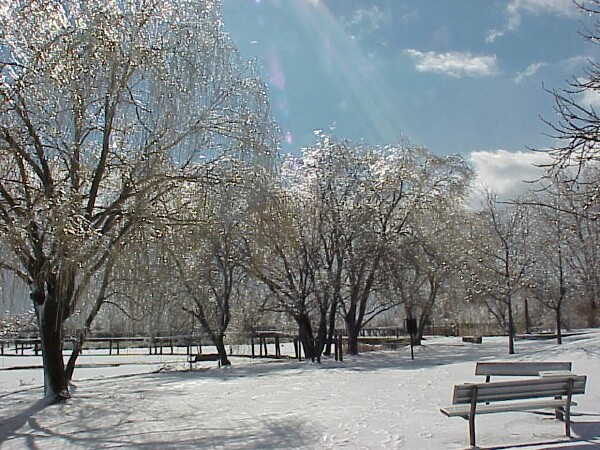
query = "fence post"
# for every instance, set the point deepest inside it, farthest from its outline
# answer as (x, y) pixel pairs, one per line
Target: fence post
(264, 338)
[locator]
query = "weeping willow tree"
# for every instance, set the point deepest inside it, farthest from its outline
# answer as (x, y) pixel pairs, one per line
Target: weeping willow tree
(106, 106)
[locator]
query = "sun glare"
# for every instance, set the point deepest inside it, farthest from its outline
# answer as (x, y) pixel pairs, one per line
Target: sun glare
(357, 75)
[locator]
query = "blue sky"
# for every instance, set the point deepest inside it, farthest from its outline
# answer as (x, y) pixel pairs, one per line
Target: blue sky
(456, 76)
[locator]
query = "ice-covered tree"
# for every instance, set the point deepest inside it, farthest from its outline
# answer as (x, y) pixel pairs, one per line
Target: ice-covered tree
(500, 261)
(576, 126)
(209, 252)
(583, 231)
(105, 106)
(565, 242)
(284, 247)
(366, 199)
(423, 264)
(551, 279)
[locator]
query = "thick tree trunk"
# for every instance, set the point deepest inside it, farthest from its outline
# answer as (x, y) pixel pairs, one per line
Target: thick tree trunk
(417, 338)
(321, 338)
(221, 350)
(51, 335)
(353, 332)
(306, 336)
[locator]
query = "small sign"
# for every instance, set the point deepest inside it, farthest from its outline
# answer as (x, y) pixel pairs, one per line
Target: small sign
(410, 326)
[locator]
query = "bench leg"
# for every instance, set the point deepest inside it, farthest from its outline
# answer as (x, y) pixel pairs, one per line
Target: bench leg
(559, 413)
(567, 409)
(472, 430)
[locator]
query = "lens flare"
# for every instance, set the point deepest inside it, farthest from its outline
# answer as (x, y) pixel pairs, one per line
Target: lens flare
(276, 75)
(289, 139)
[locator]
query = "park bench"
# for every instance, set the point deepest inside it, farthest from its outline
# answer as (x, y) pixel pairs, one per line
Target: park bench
(519, 368)
(552, 392)
(204, 357)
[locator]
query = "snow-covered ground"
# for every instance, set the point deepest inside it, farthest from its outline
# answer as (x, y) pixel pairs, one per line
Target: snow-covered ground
(378, 400)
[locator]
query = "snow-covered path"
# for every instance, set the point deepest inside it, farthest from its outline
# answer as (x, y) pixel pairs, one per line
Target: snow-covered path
(378, 400)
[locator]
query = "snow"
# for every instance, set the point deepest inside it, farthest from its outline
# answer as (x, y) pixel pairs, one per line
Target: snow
(377, 400)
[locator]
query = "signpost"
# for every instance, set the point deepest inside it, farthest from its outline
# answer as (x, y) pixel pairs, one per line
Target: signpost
(410, 327)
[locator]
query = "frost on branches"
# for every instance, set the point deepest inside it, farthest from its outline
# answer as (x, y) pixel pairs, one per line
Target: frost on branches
(105, 107)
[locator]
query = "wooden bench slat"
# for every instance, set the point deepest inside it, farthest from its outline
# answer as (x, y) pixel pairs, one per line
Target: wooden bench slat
(464, 410)
(506, 390)
(519, 368)
(516, 396)
(463, 396)
(512, 390)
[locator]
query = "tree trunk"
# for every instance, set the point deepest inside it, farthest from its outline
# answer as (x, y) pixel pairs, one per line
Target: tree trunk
(559, 325)
(511, 329)
(221, 350)
(83, 332)
(321, 339)
(353, 332)
(592, 320)
(77, 347)
(417, 338)
(426, 312)
(331, 327)
(527, 318)
(306, 336)
(51, 335)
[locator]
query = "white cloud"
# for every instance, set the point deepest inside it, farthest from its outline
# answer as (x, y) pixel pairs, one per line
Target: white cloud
(575, 62)
(366, 20)
(372, 17)
(509, 174)
(494, 34)
(531, 70)
(590, 98)
(516, 8)
(557, 7)
(455, 64)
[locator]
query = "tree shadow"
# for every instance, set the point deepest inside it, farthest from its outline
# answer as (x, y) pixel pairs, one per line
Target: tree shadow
(117, 423)
(10, 425)
(586, 430)
(271, 433)
(562, 444)
(584, 437)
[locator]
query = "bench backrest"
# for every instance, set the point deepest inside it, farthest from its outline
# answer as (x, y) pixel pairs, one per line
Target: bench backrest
(519, 389)
(519, 368)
